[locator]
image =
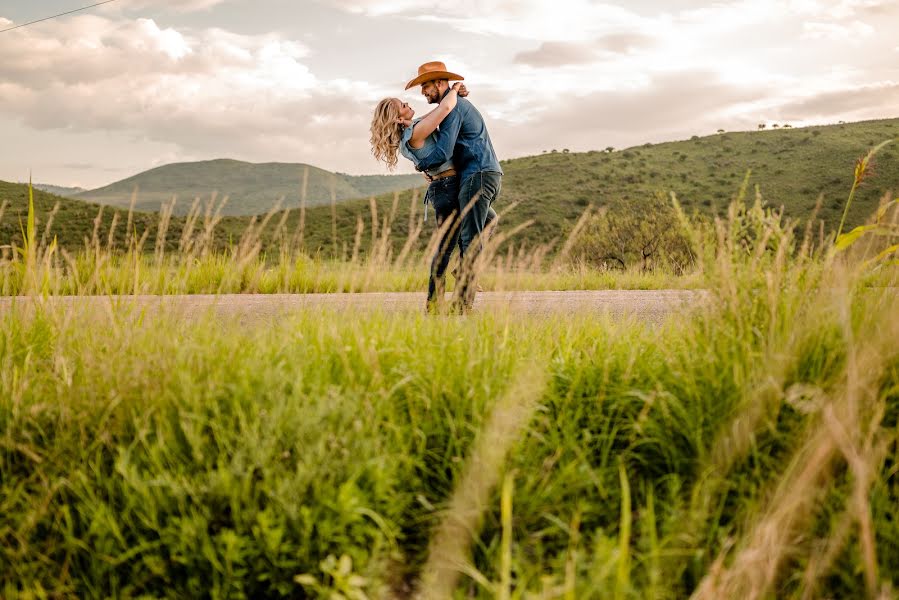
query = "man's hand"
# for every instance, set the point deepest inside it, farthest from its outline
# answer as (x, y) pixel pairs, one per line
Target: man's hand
(427, 177)
(460, 88)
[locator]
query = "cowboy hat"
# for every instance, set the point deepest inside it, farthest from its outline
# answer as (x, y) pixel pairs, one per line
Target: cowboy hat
(431, 71)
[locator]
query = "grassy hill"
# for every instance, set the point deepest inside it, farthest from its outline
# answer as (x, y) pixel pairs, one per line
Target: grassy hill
(251, 188)
(791, 167)
(59, 190)
(74, 221)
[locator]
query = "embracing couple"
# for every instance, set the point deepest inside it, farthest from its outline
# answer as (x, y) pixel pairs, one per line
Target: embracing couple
(451, 146)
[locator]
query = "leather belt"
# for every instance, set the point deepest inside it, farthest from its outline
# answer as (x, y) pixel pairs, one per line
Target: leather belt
(443, 175)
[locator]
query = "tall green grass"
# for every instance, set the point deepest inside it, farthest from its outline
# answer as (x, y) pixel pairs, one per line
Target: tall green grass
(269, 257)
(746, 449)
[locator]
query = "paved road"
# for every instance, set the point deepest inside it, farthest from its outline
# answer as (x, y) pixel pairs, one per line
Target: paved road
(653, 305)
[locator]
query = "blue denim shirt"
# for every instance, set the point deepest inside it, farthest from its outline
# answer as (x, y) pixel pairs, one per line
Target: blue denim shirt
(416, 154)
(463, 138)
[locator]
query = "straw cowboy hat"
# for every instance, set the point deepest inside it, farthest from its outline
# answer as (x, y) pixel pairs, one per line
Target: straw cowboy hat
(431, 71)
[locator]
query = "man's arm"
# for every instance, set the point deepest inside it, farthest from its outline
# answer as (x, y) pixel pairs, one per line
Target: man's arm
(446, 141)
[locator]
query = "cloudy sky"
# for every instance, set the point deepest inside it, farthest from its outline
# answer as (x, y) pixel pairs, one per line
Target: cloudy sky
(93, 97)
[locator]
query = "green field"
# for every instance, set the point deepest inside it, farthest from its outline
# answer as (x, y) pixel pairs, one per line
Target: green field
(745, 450)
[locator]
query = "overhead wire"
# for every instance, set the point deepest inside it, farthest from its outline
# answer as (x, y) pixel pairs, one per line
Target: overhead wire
(56, 16)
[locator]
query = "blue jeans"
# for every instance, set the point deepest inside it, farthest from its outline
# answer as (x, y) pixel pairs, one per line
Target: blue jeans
(476, 196)
(443, 195)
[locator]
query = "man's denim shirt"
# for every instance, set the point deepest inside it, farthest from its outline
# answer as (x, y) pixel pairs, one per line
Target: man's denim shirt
(463, 138)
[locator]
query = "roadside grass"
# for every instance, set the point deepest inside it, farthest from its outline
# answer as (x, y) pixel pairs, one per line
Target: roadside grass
(268, 257)
(130, 275)
(746, 449)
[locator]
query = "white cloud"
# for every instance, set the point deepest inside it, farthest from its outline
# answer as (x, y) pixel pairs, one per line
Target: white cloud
(575, 20)
(182, 6)
(208, 91)
(853, 31)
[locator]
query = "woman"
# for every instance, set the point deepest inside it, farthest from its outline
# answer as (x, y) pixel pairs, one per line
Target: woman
(393, 130)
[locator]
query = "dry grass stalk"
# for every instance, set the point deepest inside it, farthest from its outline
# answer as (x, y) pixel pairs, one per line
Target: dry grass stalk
(415, 228)
(46, 236)
(95, 236)
(165, 218)
(297, 241)
(279, 238)
(565, 252)
(847, 429)
(448, 555)
(186, 242)
(333, 215)
(357, 240)
(130, 223)
(210, 222)
(110, 239)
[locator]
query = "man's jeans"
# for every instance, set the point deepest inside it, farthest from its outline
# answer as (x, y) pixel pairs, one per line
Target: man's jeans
(476, 195)
(443, 194)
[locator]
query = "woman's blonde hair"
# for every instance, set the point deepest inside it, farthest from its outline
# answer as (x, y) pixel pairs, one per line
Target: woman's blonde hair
(386, 133)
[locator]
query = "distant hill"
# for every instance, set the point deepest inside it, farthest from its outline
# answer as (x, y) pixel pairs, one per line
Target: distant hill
(251, 188)
(791, 167)
(59, 190)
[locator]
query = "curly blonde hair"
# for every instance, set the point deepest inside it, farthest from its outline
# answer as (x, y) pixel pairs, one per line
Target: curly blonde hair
(386, 133)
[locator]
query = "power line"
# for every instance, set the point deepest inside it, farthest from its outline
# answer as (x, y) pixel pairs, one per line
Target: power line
(55, 16)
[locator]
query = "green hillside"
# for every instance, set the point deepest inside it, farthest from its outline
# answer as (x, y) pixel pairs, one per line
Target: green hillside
(59, 190)
(791, 167)
(73, 220)
(251, 188)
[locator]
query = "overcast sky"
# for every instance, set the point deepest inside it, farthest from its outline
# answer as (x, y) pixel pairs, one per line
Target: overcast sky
(94, 97)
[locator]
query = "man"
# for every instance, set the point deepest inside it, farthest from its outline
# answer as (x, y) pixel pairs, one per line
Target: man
(463, 138)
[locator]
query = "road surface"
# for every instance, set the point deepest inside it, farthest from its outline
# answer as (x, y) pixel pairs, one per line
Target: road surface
(647, 305)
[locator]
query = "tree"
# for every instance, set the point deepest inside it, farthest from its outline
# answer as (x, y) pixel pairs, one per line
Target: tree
(761, 125)
(610, 149)
(720, 131)
(621, 238)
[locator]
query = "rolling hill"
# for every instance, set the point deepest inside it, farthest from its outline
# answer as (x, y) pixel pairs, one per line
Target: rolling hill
(251, 188)
(59, 190)
(791, 167)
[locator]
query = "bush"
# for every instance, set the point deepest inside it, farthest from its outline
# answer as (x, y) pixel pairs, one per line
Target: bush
(623, 239)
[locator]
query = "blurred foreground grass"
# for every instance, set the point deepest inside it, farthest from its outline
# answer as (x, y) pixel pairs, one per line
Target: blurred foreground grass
(745, 450)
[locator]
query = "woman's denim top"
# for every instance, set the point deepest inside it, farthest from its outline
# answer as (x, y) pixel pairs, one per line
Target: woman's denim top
(416, 154)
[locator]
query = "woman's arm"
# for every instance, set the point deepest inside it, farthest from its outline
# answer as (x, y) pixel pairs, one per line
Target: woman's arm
(429, 123)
